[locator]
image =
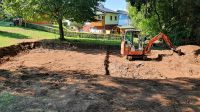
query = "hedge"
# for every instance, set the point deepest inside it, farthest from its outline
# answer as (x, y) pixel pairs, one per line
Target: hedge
(74, 34)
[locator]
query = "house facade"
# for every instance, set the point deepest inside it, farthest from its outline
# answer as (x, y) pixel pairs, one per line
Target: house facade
(124, 19)
(109, 21)
(106, 20)
(124, 22)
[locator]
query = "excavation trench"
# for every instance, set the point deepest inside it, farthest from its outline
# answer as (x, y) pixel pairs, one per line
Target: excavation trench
(107, 62)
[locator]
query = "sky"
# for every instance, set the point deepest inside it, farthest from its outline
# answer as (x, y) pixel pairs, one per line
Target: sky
(115, 4)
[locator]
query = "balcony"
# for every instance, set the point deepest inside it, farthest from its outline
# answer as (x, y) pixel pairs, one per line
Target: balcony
(98, 23)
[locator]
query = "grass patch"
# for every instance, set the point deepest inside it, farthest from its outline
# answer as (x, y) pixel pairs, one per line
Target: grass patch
(93, 41)
(2, 23)
(26, 33)
(6, 100)
(195, 108)
(13, 35)
(4, 41)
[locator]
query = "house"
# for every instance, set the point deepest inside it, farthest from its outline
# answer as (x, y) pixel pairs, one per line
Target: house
(124, 19)
(87, 27)
(124, 22)
(106, 20)
(109, 21)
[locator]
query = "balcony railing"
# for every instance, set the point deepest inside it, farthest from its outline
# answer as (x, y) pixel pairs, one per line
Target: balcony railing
(98, 23)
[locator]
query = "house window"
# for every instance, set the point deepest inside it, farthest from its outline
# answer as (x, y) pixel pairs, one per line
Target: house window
(103, 17)
(111, 18)
(99, 17)
(115, 18)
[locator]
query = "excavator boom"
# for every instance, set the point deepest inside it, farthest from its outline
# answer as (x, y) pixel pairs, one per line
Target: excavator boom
(157, 37)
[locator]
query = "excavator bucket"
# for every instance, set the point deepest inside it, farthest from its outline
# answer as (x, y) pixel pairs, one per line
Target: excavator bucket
(179, 52)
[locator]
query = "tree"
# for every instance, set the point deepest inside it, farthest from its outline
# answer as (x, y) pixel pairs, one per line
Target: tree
(27, 9)
(148, 26)
(56, 10)
(1, 10)
(178, 18)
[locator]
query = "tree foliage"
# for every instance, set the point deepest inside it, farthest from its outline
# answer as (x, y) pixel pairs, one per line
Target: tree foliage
(78, 25)
(1, 9)
(55, 10)
(22, 8)
(74, 10)
(178, 18)
(148, 26)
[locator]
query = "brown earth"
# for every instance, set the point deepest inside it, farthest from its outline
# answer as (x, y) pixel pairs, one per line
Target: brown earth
(61, 80)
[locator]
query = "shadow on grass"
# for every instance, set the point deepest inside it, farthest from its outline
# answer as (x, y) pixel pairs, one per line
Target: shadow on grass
(13, 35)
(5, 24)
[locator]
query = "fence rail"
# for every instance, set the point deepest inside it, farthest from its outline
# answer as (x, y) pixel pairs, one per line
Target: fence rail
(74, 34)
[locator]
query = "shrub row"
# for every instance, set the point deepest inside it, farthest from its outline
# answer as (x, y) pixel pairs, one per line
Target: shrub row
(74, 34)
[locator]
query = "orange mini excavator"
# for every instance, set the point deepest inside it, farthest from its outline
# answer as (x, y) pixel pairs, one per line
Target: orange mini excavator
(132, 45)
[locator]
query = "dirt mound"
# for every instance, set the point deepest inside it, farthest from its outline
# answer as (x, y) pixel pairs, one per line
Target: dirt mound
(11, 51)
(171, 66)
(189, 49)
(15, 49)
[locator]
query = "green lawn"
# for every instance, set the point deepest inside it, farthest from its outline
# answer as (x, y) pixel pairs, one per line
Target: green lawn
(12, 35)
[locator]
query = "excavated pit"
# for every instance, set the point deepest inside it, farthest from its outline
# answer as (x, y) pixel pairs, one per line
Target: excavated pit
(102, 60)
(61, 77)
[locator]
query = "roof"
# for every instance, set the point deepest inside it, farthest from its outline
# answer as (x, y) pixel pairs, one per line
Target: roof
(103, 9)
(132, 30)
(122, 12)
(126, 27)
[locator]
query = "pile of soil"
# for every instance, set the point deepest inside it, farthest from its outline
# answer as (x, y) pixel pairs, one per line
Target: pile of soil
(10, 51)
(170, 66)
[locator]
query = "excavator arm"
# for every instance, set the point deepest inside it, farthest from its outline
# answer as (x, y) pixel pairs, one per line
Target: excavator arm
(157, 37)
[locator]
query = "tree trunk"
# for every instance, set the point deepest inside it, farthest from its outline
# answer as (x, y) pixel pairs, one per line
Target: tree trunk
(155, 9)
(61, 31)
(25, 25)
(195, 31)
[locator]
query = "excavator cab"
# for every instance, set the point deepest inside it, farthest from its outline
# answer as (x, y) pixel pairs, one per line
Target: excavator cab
(132, 42)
